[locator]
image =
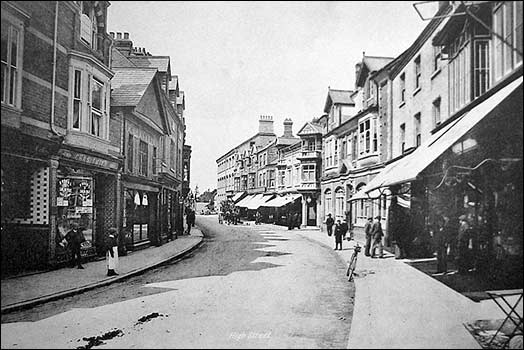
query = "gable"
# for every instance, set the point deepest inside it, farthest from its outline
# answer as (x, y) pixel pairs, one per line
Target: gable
(149, 106)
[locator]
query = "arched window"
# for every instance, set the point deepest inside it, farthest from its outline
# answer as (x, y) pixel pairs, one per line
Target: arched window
(328, 199)
(361, 207)
(339, 204)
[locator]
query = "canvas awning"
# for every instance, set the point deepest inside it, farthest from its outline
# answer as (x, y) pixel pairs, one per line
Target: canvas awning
(243, 203)
(408, 168)
(237, 196)
(257, 201)
(278, 202)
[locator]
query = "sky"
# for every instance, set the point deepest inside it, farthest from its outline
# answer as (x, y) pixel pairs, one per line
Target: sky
(236, 60)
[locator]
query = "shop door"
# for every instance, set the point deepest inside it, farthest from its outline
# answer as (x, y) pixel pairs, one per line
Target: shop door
(312, 213)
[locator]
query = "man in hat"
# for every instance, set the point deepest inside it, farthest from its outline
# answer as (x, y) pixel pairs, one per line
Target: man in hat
(74, 239)
(329, 225)
(462, 244)
(367, 230)
(377, 233)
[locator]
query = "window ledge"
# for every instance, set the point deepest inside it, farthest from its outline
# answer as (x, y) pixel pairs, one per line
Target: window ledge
(11, 108)
(435, 73)
(402, 104)
(417, 91)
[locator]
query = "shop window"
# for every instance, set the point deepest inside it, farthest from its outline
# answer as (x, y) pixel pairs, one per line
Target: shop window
(16, 189)
(11, 56)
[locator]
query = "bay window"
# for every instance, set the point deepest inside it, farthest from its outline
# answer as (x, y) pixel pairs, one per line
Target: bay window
(366, 129)
(89, 100)
(507, 26)
(308, 173)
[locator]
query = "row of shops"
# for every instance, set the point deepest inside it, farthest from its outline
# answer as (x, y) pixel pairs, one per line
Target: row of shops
(471, 167)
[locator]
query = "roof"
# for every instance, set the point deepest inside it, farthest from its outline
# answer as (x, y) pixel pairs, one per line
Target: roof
(338, 97)
(286, 141)
(129, 85)
(310, 128)
(375, 63)
(159, 62)
(118, 60)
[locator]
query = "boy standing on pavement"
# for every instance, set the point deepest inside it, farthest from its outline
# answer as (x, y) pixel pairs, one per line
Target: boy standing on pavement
(377, 233)
(367, 230)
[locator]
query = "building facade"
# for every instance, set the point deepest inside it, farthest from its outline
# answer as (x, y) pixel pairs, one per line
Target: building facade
(60, 143)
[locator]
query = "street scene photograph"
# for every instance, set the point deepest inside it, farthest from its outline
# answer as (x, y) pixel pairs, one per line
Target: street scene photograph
(262, 175)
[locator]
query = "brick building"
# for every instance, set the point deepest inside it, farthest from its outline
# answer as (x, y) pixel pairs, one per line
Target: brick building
(60, 143)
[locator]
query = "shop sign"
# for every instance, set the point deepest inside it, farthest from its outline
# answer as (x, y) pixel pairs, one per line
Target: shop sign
(87, 159)
(61, 202)
(83, 210)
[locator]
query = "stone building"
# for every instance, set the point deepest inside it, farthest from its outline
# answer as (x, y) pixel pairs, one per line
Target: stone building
(60, 143)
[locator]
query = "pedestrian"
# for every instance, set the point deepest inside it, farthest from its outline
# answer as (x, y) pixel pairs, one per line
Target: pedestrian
(463, 241)
(338, 235)
(190, 220)
(329, 225)
(289, 219)
(74, 239)
(442, 236)
(258, 218)
(112, 252)
(377, 233)
(296, 221)
(367, 230)
(344, 227)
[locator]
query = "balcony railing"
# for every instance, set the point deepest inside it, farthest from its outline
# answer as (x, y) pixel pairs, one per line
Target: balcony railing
(310, 155)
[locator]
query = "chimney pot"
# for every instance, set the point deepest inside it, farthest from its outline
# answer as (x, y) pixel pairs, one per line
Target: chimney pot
(112, 34)
(288, 127)
(126, 35)
(119, 35)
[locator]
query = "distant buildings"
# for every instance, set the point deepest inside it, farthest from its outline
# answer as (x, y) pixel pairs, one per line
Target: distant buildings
(92, 132)
(436, 131)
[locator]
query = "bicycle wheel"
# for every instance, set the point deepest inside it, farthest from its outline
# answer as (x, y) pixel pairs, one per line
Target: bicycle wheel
(351, 269)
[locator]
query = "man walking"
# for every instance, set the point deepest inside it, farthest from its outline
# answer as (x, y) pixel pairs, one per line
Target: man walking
(75, 238)
(367, 230)
(329, 225)
(190, 220)
(377, 234)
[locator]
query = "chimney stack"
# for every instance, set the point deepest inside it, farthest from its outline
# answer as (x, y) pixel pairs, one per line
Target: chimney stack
(124, 45)
(265, 124)
(288, 128)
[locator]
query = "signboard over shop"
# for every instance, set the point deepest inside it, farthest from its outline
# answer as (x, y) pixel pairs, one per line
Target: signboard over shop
(87, 159)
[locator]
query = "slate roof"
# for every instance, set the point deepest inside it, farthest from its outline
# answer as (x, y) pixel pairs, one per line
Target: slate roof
(338, 97)
(159, 62)
(129, 85)
(119, 60)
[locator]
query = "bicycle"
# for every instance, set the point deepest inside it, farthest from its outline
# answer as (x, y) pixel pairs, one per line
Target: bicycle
(353, 262)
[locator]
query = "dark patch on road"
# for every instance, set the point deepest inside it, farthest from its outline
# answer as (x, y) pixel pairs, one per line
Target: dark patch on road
(148, 318)
(99, 339)
(276, 254)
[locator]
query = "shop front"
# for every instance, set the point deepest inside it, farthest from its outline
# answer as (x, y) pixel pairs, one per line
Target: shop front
(140, 215)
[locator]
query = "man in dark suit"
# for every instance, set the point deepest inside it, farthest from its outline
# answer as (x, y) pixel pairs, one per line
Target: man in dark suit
(74, 239)
(367, 230)
(377, 233)
(329, 225)
(338, 235)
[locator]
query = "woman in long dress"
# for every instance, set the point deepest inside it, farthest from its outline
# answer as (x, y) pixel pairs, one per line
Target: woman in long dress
(112, 252)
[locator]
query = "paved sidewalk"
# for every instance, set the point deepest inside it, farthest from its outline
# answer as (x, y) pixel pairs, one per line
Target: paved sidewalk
(398, 306)
(27, 291)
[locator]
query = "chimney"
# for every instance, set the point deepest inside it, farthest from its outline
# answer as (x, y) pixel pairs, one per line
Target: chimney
(112, 34)
(265, 124)
(288, 128)
(125, 46)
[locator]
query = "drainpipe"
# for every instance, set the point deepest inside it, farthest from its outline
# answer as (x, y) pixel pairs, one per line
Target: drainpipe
(53, 85)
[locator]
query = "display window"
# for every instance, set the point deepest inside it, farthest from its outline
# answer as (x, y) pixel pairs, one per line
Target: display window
(74, 201)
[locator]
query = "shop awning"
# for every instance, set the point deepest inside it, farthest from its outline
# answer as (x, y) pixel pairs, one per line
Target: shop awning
(237, 196)
(278, 202)
(258, 200)
(408, 168)
(243, 203)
